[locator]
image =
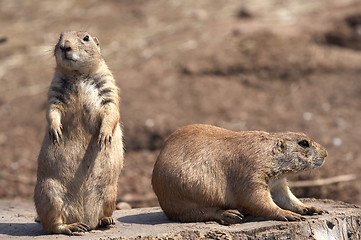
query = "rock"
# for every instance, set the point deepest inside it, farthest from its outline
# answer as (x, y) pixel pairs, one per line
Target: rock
(342, 222)
(123, 206)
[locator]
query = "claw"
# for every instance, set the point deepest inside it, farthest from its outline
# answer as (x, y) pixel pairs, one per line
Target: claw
(231, 216)
(105, 221)
(104, 140)
(72, 229)
(60, 135)
(286, 215)
(310, 210)
(100, 140)
(56, 135)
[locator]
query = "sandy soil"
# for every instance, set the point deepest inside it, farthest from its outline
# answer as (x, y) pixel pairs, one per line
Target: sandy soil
(242, 65)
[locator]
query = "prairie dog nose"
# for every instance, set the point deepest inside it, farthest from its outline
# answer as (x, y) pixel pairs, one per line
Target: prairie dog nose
(66, 47)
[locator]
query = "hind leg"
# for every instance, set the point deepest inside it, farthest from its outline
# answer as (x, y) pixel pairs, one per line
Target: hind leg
(108, 207)
(203, 214)
(110, 180)
(51, 210)
(55, 224)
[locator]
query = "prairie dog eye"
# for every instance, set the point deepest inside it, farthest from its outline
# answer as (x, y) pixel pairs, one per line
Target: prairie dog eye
(304, 143)
(86, 38)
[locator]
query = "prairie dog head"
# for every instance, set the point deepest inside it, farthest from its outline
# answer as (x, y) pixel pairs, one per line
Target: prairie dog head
(295, 152)
(77, 51)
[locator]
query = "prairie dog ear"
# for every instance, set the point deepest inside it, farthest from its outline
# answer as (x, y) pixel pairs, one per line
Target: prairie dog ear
(279, 147)
(96, 41)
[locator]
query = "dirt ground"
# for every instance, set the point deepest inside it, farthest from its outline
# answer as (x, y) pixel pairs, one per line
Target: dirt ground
(242, 65)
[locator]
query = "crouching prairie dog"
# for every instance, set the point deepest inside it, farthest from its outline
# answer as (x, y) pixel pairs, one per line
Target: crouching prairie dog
(82, 151)
(206, 173)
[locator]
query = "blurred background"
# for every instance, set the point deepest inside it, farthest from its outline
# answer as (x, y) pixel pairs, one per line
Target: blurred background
(282, 65)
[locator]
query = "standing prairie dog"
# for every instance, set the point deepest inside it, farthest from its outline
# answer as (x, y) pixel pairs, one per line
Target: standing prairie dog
(82, 152)
(206, 173)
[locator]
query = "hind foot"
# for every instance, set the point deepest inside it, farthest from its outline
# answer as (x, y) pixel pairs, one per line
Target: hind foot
(285, 215)
(106, 221)
(230, 216)
(71, 229)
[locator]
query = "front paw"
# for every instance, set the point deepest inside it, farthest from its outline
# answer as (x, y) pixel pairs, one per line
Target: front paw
(285, 215)
(105, 138)
(55, 133)
(310, 210)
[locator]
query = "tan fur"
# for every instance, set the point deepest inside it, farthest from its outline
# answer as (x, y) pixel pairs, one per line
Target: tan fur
(208, 173)
(82, 151)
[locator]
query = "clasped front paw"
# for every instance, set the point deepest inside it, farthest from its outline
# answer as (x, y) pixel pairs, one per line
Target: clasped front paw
(55, 134)
(104, 139)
